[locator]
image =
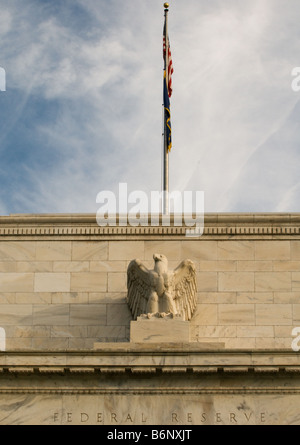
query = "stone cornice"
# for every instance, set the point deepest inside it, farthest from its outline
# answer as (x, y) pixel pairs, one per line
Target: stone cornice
(84, 226)
(136, 369)
(151, 359)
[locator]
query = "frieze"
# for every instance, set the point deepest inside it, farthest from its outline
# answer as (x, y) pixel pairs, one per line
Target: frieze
(216, 226)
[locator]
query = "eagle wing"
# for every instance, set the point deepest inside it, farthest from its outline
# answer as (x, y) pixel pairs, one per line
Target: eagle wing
(185, 285)
(139, 285)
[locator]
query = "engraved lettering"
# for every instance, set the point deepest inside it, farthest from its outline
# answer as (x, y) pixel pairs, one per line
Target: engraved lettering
(218, 417)
(248, 418)
(129, 418)
(114, 417)
(232, 418)
(99, 417)
(84, 417)
(174, 417)
(190, 417)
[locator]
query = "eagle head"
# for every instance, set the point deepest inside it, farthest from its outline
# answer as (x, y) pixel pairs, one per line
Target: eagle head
(161, 263)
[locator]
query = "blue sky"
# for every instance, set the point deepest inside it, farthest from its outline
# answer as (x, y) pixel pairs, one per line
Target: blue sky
(82, 110)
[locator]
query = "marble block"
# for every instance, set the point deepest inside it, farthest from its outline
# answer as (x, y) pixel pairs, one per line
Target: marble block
(156, 329)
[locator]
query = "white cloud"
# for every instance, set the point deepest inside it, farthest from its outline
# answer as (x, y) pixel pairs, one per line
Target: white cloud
(231, 95)
(241, 99)
(5, 22)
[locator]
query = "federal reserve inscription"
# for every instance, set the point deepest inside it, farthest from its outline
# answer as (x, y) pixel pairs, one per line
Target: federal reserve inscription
(132, 410)
(173, 418)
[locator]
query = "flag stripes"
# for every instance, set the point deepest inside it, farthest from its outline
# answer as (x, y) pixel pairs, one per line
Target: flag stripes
(168, 61)
(168, 71)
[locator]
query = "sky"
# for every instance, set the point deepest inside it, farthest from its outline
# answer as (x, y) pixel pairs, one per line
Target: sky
(82, 107)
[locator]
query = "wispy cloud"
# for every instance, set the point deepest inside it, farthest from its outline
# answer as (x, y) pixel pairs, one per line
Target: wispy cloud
(84, 93)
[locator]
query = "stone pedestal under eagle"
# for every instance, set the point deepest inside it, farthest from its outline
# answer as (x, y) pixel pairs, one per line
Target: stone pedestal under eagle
(160, 291)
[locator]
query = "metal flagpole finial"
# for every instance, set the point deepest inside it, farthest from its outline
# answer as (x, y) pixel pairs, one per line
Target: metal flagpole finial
(166, 5)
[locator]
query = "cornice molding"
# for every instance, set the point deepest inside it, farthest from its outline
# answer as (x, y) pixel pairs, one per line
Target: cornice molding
(92, 372)
(154, 358)
(84, 226)
(161, 369)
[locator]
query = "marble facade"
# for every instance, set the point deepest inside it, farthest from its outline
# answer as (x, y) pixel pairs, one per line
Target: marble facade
(65, 324)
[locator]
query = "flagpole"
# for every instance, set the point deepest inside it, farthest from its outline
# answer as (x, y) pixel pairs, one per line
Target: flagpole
(166, 154)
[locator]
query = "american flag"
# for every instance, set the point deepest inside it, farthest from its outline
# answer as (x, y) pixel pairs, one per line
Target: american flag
(169, 63)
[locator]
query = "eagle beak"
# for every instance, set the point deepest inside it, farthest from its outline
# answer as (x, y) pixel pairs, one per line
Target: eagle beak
(155, 257)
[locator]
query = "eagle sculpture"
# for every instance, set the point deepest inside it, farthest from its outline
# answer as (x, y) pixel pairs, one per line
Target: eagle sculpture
(160, 291)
